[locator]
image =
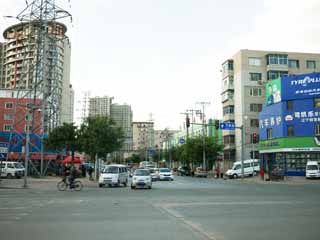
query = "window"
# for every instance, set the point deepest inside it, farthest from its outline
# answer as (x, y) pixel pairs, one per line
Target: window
(254, 61)
(311, 64)
(25, 128)
(275, 74)
(269, 133)
(317, 129)
(254, 122)
(255, 92)
(255, 76)
(290, 105)
(7, 127)
(277, 59)
(9, 105)
(293, 63)
(316, 102)
(227, 66)
(290, 131)
(228, 110)
(8, 116)
(229, 139)
(254, 107)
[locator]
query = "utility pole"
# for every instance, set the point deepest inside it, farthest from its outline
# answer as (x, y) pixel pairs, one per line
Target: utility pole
(203, 134)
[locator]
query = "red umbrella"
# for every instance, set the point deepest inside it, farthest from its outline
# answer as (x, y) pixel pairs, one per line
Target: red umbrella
(68, 159)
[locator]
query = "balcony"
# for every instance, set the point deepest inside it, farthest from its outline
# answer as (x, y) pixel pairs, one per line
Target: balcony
(226, 96)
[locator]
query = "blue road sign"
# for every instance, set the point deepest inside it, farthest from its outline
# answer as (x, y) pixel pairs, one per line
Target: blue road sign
(3, 155)
(151, 152)
(3, 150)
(227, 126)
(182, 141)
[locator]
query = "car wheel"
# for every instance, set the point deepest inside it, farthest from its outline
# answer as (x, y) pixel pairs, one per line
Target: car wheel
(109, 185)
(9, 175)
(132, 187)
(149, 187)
(101, 185)
(125, 183)
(235, 176)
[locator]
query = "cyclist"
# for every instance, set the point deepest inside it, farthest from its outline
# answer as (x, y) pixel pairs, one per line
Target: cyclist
(73, 176)
(66, 173)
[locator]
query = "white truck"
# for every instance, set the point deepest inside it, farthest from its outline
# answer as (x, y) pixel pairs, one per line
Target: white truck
(312, 169)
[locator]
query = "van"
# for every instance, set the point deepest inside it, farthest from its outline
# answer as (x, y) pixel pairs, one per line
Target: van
(11, 169)
(312, 169)
(250, 168)
(114, 175)
(146, 164)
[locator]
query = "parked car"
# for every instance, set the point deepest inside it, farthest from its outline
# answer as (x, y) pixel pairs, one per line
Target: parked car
(11, 169)
(165, 174)
(184, 171)
(154, 172)
(312, 169)
(200, 172)
(250, 167)
(114, 175)
(141, 179)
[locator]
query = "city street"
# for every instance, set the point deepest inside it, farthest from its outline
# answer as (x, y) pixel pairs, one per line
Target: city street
(186, 208)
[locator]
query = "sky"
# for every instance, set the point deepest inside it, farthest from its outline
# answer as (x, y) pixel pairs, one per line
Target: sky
(163, 56)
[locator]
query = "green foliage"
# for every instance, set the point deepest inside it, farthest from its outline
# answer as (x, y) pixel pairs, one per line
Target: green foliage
(100, 135)
(62, 137)
(135, 158)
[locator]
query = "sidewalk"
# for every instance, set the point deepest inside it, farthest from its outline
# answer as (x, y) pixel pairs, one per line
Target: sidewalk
(287, 180)
(46, 182)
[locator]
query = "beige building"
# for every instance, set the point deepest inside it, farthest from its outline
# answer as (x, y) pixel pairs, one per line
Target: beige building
(143, 136)
(18, 57)
(100, 106)
(243, 78)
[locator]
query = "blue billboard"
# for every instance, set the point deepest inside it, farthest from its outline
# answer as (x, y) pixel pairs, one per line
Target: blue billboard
(300, 86)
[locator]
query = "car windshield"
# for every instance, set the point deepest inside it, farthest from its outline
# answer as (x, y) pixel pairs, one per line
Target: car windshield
(141, 172)
(18, 165)
(312, 167)
(111, 170)
(164, 170)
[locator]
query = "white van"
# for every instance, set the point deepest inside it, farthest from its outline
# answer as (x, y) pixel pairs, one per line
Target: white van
(312, 169)
(11, 169)
(114, 175)
(250, 168)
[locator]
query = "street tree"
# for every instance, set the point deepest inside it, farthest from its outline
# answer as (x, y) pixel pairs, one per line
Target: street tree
(99, 136)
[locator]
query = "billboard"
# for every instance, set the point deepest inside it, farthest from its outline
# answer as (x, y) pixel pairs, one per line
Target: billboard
(301, 86)
(273, 92)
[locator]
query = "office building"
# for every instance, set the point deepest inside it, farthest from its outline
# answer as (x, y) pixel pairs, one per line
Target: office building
(100, 106)
(243, 78)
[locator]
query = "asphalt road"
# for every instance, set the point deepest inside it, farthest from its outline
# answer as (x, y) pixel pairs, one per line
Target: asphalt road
(185, 209)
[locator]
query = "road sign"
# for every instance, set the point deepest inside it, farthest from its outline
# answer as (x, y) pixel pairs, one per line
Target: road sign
(182, 141)
(227, 126)
(3, 149)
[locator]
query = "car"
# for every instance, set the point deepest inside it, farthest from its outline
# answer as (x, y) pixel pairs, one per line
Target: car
(184, 171)
(251, 167)
(312, 170)
(114, 175)
(11, 169)
(200, 172)
(154, 172)
(141, 179)
(165, 174)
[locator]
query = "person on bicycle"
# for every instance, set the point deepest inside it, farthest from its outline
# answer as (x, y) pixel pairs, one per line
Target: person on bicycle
(73, 175)
(66, 173)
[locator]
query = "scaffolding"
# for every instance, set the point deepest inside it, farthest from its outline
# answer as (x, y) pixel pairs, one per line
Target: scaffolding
(37, 87)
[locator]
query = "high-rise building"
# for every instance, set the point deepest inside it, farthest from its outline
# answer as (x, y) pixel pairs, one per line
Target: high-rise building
(122, 115)
(143, 136)
(100, 106)
(19, 57)
(243, 78)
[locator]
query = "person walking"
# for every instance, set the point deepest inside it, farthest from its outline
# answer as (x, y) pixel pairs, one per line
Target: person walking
(90, 171)
(83, 170)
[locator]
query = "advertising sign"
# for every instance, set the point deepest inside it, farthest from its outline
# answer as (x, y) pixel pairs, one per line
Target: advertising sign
(273, 92)
(301, 86)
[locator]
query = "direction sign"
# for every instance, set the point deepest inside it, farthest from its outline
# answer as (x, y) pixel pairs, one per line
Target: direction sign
(227, 126)
(3, 149)
(182, 141)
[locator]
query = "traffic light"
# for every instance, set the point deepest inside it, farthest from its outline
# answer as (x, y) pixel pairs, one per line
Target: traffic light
(217, 124)
(254, 138)
(187, 122)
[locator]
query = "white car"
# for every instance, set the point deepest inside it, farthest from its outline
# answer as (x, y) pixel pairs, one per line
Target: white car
(165, 174)
(154, 172)
(11, 169)
(312, 169)
(141, 179)
(114, 175)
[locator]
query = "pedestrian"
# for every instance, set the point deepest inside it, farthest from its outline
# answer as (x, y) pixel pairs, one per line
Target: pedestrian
(218, 171)
(90, 171)
(262, 173)
(83, 170)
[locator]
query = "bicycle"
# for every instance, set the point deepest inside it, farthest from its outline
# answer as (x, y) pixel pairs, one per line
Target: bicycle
(64, 184)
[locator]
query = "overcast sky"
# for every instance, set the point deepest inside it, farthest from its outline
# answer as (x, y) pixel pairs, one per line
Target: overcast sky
(163, 56)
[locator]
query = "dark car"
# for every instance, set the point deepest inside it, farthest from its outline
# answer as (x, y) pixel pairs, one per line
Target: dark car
(184, 171)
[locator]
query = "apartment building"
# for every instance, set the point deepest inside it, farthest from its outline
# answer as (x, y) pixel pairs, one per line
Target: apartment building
(122, 115)
(143, 135)
(243, 78)
(100, 106)
(18, 55)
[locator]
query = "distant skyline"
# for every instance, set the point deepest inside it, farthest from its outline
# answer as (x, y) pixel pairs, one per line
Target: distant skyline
(163, 56)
